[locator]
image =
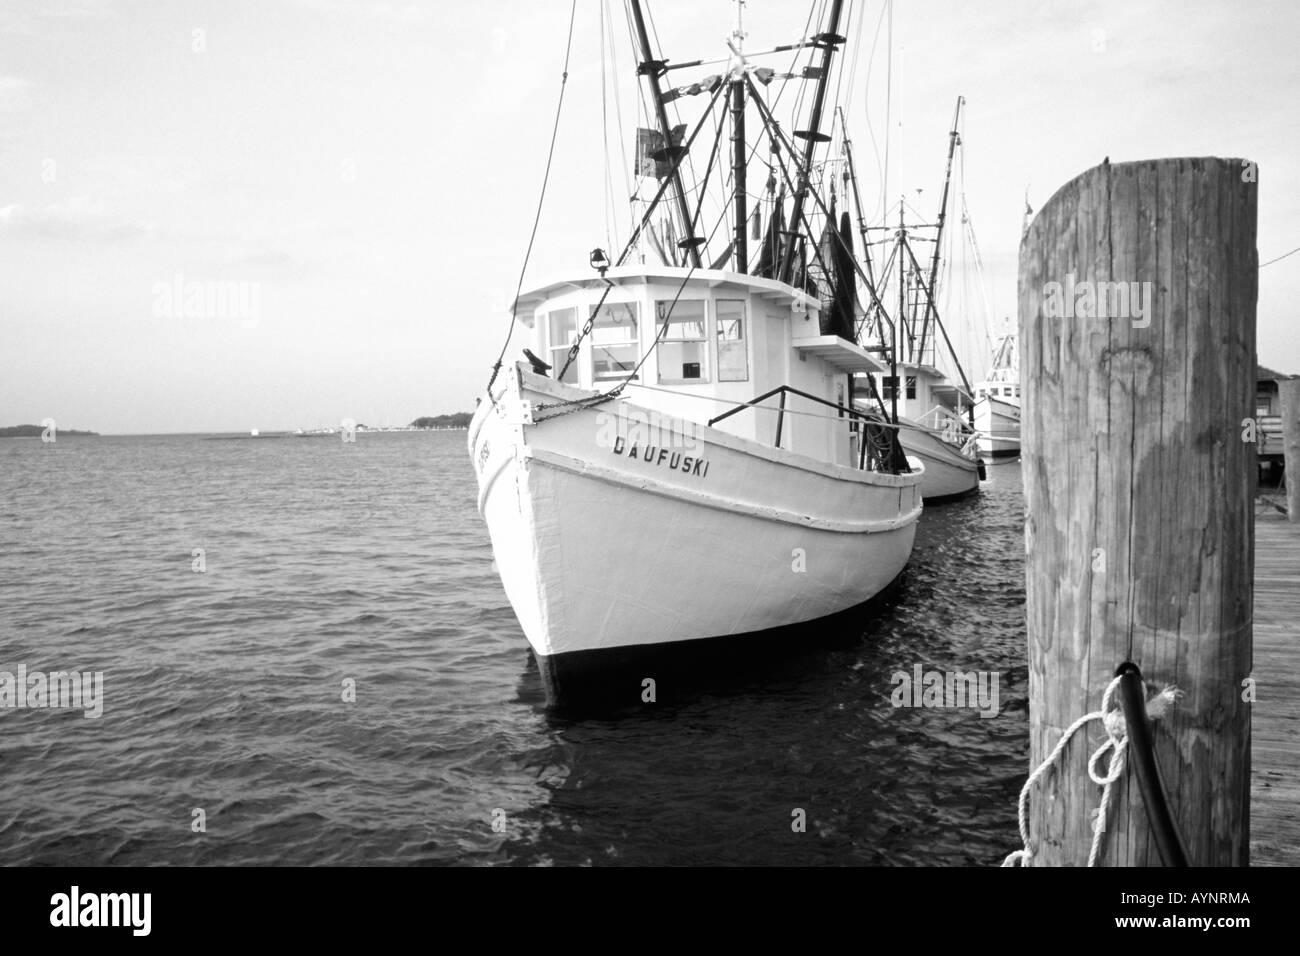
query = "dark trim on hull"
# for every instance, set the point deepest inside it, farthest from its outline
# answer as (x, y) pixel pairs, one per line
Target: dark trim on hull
(610, 680)
(1003, 453)
(949, 499)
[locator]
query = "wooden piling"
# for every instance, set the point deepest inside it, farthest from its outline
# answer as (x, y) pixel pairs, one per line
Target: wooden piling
(1139, 491)
(1288, 392)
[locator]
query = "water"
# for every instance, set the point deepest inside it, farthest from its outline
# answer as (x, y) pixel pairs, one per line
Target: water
(327, 562)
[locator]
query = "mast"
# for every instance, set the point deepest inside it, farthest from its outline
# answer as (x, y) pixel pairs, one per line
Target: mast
(851, 175)
(943, 211)
(928, 293)
(738, 161)
(902, 312)
(652, 70)
(828, 41)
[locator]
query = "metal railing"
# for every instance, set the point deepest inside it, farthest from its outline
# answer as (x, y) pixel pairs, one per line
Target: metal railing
(878, 436)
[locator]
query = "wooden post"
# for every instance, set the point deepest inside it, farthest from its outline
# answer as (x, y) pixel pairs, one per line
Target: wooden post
(1288, 393)
(1139, 491)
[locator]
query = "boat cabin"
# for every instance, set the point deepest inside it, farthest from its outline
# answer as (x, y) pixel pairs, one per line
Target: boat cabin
(729, 339)
(1004, 391)
(924, 395)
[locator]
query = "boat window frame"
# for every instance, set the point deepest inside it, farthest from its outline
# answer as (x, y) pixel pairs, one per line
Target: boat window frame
(705, 377)
(557, 362)
(746, 322)
(634, 342)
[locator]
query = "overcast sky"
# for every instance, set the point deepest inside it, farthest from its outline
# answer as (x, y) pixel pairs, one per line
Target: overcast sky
(369, 171)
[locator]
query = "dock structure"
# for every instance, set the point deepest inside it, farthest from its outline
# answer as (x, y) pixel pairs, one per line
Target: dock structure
(1275, 714)
(1137, 299)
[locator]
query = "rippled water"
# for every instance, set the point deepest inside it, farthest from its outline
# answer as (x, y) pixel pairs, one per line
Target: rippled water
(326, 562)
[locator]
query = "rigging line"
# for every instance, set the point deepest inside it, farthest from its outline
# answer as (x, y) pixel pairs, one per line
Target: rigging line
(757, 143)
(866, 96)
(775, 133)
(776, 100)
(667, 315)
(713, 155)
(677, 113)
(840, 62)
(620, 128)
(1280, 258)
(857, 53)
(643, 108)
(541, 200)
(889, 100)
(604, 129)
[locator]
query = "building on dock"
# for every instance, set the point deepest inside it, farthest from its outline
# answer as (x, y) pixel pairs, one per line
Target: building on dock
(1268, 418)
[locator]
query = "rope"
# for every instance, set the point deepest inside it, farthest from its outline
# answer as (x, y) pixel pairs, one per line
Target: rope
(514, 306)
(1280, 258)
(1116, 741)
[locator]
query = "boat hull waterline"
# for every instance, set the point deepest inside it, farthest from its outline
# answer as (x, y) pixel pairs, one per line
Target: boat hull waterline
(948, 473)
(609, 533)
(999, 425)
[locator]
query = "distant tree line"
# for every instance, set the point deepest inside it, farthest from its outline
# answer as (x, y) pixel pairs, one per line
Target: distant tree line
(458, 420)
(36, 431)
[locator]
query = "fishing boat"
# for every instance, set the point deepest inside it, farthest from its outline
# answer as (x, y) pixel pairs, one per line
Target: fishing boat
(997, 402)
(935, 427)
(935, 414)
(679, 456)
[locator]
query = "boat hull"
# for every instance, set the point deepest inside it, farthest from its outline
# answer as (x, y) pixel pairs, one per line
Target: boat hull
(999, 425)
(948, 473)
(615, 679)
(611, 533)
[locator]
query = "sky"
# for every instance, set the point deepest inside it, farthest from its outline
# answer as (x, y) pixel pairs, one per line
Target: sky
(362, 176)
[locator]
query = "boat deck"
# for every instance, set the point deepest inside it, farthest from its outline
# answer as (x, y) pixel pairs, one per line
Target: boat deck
(1275, 717)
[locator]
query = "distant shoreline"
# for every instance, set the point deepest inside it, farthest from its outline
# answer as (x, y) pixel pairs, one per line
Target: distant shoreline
(39, 431)
(436, 423)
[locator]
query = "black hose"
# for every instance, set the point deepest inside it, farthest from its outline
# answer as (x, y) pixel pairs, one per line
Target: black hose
(1133, 697)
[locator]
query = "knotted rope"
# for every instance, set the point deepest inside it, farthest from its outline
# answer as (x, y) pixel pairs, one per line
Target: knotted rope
(1116, 742)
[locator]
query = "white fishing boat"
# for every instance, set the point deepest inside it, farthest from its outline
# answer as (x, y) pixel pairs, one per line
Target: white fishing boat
(997, 402)
(934, 413)
(680, 457)
(935, 429)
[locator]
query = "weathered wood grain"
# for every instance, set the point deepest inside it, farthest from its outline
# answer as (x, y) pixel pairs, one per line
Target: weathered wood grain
(1140, 493)
(1275, 714)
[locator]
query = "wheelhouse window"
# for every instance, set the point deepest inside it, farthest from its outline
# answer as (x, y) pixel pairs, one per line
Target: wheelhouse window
(889, 385)
(733, 347)
(562, 328)
(682, 343)
(615, 342)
